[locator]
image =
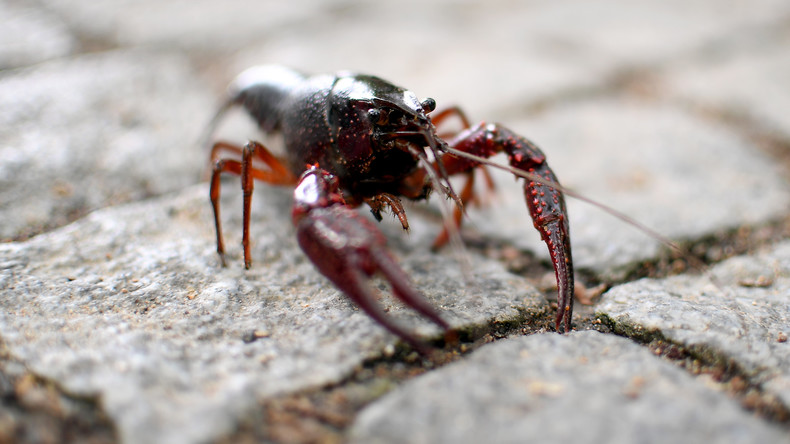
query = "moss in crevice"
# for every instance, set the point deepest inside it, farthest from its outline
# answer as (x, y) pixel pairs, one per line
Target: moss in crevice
(699, 360)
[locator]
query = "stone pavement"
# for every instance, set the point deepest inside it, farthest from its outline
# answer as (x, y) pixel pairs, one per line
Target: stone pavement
(117, 323)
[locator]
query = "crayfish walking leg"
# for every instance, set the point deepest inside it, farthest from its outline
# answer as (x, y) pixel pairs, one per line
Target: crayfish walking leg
(277, 175)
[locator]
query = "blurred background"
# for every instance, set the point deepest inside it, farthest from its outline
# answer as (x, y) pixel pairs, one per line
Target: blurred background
(496, 56)
(645, 105)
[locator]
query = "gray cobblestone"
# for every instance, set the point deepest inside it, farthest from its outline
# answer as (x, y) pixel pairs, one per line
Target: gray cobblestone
(554, 388)
(739, 312)
(754, 82)
(137, 311)
(99, 129)
(30, 35)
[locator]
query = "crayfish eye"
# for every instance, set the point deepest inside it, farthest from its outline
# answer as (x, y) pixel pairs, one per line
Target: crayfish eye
(428, 105)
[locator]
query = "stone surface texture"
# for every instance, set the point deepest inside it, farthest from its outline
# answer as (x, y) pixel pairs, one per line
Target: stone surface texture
(137, 311)
(738, 312)
(547, 387)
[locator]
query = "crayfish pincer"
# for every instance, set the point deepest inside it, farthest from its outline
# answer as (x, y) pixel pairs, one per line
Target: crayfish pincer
(353, 139)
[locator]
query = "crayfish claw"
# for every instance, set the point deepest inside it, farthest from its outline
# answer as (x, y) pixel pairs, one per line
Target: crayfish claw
(543, 194)
(556, 237)
(349, 250)
(358, 290)
(546, 204)
(404, 291)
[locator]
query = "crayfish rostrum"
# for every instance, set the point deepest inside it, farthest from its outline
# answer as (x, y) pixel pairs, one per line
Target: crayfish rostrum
(353, 139)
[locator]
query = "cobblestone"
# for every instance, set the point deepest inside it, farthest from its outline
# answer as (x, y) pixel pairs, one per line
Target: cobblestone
(95, 130)
(554, 388)
(137, 311)
(738, 313)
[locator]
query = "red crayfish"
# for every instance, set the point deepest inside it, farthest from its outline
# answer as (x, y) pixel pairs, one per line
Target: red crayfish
(352, 139)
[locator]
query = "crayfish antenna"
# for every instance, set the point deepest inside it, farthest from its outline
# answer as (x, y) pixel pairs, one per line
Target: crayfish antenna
(211, 127)
(453, 232)
(205, 138)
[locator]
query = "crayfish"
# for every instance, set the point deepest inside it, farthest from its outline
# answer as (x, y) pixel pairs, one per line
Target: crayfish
(353, 139)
